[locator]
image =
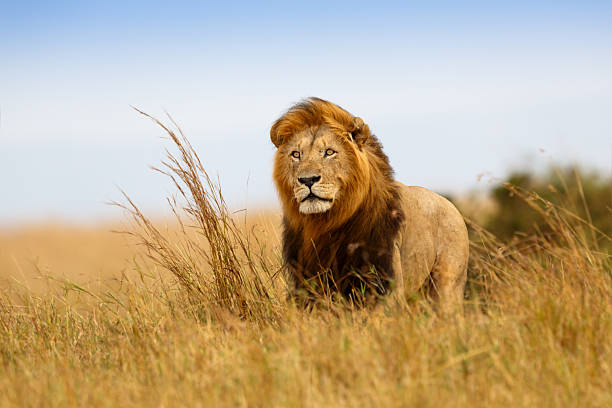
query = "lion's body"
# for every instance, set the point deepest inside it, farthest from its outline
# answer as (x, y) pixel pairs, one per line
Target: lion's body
(433, 242)
(349, 227)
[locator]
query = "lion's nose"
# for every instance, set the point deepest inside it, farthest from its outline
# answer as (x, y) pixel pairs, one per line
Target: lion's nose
(309, 181)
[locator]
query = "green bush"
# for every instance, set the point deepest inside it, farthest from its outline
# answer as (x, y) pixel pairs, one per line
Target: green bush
(586, 194)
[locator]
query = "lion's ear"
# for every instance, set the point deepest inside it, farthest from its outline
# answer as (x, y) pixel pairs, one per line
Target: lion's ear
(275, 136)
(359, 131)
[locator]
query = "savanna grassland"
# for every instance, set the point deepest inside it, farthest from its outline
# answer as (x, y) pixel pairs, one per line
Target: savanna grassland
(192, 312)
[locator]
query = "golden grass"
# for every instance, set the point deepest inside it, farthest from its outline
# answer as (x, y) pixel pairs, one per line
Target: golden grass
(202, 319)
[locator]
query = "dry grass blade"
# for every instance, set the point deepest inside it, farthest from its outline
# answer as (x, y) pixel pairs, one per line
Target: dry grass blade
(235, 277)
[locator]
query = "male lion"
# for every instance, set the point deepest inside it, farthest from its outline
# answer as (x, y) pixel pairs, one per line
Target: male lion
(349, 227)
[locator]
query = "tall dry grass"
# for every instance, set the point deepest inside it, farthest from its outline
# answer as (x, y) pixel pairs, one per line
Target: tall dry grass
(221, 269)
(205, 323)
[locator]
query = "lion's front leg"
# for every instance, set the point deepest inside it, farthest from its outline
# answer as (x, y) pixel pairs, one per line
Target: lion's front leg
(399, 281)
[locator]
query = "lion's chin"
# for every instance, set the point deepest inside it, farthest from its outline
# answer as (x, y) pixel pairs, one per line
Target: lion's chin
(315, 206)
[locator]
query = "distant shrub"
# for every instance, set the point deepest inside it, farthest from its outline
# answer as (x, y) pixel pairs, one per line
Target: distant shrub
(586, 194)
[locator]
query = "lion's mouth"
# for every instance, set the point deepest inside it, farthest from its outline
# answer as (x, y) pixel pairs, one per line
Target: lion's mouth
(313, 196)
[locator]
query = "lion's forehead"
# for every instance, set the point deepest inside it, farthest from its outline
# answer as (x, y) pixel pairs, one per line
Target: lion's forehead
(315, 139)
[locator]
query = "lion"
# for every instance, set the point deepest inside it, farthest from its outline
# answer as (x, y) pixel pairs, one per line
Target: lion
(348, 227)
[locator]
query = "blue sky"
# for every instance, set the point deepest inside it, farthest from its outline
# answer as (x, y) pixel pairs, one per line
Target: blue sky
(452, 89)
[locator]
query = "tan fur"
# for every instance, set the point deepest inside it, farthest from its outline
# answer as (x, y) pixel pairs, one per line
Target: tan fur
(360, 218)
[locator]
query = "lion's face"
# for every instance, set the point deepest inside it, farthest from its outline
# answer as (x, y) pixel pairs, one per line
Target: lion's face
(322, 166)
(316, 165)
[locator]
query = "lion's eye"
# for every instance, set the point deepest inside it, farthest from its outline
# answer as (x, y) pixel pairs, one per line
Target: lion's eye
(295, 154)
(329, 152)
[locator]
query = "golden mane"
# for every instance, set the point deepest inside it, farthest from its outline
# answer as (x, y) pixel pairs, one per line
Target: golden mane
(316, 112)
(355, 236)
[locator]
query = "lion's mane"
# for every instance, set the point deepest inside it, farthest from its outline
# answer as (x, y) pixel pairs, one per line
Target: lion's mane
(349, 247)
